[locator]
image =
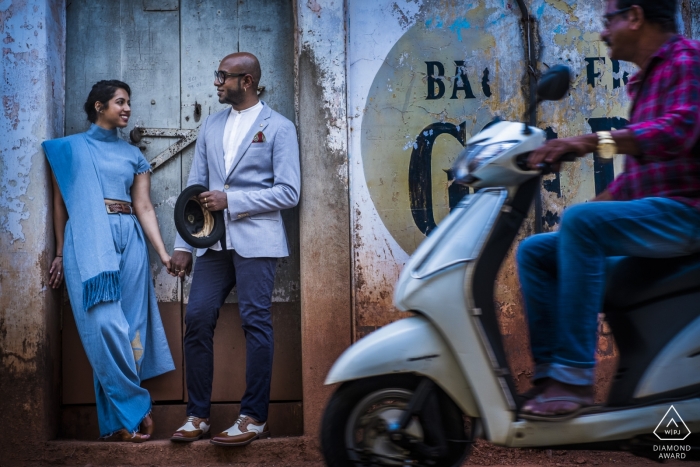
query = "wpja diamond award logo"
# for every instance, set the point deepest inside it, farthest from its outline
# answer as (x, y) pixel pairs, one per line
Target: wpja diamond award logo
(671, 428)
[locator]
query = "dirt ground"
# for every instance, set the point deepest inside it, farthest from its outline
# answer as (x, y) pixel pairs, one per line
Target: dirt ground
(290, 452)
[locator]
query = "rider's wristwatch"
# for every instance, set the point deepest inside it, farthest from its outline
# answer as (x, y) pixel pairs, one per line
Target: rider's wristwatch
(606, 145)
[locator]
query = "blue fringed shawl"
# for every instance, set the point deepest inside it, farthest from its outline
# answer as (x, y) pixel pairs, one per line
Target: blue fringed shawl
(73, 165)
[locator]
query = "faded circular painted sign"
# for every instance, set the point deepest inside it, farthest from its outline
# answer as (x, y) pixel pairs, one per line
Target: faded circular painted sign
(438, 85)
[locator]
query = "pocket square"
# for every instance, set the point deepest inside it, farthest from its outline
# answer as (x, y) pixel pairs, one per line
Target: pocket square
(259, 137)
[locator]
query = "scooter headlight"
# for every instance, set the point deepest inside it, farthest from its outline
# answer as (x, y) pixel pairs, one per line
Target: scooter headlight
(474, 156)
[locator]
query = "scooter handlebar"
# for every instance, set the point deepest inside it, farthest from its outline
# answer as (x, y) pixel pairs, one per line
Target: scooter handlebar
(544, 167)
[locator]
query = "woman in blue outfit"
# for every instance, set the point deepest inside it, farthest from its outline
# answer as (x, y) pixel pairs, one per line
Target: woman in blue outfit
(102, 217)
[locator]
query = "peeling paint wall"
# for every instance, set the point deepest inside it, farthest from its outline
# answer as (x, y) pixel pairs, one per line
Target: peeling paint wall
(425, 75)
(413, 65)
(323, 209)
(33, 42)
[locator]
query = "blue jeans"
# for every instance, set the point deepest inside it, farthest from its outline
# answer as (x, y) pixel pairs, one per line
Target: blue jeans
(215, 274)
(562, 274)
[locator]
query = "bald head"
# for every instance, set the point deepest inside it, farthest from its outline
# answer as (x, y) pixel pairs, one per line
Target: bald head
(244, 62)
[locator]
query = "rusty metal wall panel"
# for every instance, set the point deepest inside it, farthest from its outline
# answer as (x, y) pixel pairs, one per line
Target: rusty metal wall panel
(77, 376)
(229, 358)
(229, 354)
(77, 385)
(169, 386)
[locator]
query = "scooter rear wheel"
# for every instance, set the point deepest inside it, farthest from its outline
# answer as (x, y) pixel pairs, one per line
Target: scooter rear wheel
(355, 426)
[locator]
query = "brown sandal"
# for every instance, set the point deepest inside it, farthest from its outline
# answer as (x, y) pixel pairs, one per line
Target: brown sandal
(147, 426)
(123, 435)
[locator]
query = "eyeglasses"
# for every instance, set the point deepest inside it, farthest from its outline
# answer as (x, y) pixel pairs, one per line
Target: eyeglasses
(607, 17)
(220, 76)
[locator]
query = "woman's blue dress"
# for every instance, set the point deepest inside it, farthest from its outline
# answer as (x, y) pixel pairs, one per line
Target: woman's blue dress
(124, 340)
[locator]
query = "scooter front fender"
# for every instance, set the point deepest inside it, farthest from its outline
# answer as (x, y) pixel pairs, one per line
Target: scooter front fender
(411, 345)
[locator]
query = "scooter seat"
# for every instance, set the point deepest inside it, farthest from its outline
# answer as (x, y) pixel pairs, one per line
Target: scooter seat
(632, 280)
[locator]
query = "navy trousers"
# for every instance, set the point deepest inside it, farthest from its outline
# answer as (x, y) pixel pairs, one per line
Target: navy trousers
(215, 274)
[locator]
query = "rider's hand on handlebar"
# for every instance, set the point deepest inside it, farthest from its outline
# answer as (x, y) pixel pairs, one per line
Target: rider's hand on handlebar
(554, 149)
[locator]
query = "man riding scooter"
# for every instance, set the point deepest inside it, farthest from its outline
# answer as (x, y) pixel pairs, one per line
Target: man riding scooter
(651, 210)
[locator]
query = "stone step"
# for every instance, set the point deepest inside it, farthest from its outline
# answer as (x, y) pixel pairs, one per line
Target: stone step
(275, 451)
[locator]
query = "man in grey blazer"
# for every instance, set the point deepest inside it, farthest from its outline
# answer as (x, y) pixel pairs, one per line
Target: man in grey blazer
(248, 157)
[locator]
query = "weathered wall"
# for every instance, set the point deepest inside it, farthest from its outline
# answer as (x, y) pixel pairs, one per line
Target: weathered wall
(416, 70)
(32, 34)
(324, 211)
(690, 15)
(422, 69)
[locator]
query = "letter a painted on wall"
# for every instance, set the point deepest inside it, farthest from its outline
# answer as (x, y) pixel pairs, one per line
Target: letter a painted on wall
(461, 82)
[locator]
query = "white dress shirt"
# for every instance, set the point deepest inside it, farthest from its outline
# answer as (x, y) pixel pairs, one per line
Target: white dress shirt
(238, 124)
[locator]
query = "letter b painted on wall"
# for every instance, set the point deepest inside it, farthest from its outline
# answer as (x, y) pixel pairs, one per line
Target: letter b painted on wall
(435, 74)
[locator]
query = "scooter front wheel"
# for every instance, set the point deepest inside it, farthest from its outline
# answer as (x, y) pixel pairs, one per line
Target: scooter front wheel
(360, 422)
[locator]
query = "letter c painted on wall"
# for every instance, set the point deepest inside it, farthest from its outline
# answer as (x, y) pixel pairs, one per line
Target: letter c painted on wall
(420, 185)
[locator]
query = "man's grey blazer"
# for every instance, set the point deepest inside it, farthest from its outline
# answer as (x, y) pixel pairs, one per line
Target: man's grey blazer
(264, 178)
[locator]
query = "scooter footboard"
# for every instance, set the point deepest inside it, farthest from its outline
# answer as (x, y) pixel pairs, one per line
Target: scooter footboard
(411, 345)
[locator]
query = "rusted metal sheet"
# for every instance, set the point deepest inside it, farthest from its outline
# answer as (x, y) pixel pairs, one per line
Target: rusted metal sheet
(77, 379)
(187, 137)
(229, 358)
(230, 354)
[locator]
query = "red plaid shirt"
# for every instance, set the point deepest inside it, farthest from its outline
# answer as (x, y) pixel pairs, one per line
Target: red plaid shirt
(665, 120)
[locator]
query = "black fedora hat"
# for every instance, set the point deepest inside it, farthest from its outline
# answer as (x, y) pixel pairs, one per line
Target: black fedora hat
(196, 225)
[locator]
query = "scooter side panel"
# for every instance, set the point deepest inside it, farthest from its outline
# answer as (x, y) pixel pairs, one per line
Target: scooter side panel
(607, 426)
(410, 345)
(443, 299)
(442, 296)
(676, 367)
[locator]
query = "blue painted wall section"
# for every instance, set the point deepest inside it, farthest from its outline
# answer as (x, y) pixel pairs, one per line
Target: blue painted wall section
(32, 38)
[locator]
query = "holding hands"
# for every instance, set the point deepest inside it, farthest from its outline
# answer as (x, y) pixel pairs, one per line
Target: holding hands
(180, 264)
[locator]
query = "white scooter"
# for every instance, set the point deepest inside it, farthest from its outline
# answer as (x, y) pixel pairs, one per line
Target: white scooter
(420, 390)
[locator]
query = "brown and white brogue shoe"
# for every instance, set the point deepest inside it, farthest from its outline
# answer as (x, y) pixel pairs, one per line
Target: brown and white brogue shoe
(193, 429)
(243, 432)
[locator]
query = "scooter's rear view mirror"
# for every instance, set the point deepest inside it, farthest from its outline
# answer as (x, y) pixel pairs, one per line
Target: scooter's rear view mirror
(554, 83)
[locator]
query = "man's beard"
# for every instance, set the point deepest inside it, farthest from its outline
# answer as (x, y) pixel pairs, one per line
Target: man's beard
(231, 96)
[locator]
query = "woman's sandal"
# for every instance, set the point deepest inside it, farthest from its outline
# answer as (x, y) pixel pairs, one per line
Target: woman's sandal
(123, 435)
(147, 427)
